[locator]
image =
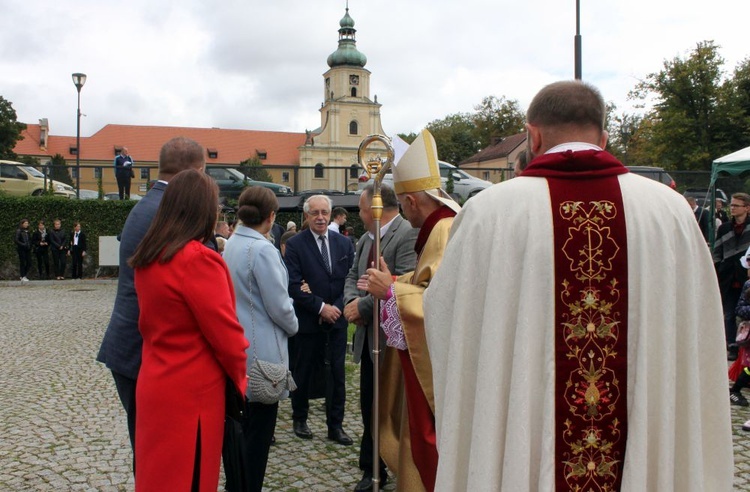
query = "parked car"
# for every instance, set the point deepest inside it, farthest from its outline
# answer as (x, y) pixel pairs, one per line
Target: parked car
(88, 194)
(655, 173)
(703, 195)
(231, 182)
(116, 196)
(465, 185)
(18, 179)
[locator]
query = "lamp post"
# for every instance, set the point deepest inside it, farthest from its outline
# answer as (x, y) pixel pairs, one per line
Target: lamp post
(577, 42)
(78, 79)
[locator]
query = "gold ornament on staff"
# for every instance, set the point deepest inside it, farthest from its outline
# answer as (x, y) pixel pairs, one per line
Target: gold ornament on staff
(376, 167)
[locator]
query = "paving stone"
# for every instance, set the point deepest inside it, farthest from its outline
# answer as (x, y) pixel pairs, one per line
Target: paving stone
(63, 427)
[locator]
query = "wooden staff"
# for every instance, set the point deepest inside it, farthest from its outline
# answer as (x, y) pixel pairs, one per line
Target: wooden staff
(376, 167)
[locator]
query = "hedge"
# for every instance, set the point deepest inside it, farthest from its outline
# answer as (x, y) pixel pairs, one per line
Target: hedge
(97, 218)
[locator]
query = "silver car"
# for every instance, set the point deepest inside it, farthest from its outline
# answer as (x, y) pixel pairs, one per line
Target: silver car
(465, 185)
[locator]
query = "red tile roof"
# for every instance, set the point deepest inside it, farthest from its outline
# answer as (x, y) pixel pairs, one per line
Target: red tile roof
(503, 148)
(144, 143)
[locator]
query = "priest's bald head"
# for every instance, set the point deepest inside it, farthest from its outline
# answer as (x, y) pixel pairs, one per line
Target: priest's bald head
(566, 111)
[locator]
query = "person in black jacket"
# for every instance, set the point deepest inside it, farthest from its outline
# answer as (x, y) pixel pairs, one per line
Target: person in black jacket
(40, 242)
(732, 241)
(58, 241)
(77, 250)
(23, 246)
(701, 215)
(124, 173)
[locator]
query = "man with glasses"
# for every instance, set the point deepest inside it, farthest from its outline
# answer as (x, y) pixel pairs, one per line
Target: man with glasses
(321, 259)
(732, 240)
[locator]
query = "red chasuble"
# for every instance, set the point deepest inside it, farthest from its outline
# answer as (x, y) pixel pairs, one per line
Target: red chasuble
(591, 306)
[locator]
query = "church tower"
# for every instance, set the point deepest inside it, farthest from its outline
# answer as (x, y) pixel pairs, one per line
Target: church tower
(347, 116)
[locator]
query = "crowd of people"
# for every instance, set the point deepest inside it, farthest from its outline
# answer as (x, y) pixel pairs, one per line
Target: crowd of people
(42, 242)
(547, 336)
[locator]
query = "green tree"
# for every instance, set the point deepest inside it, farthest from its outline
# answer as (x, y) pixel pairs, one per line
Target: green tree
(734, 130)
(454, 137)
(408, 138)
(450, 184)
(253, 169)
(10, 130)
(497, 117)
(686, 121)
(461, 135)
(58, 170)
(623, 133)
(30, 161)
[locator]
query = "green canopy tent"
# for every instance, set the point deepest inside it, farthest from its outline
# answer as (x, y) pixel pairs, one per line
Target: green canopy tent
(735, 164)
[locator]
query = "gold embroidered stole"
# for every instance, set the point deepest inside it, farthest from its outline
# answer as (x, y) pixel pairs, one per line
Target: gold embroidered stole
(591, 333)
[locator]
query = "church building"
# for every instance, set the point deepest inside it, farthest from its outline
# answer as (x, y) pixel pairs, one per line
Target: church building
(347, 116)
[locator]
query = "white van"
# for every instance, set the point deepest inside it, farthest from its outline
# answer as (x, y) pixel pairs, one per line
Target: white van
(18, 179)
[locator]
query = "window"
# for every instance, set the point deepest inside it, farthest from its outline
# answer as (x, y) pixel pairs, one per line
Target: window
(73, 172)
(486, 175)
(354, 92)
(285, 176)
(73, 150)
(354, 171)
(145, 173)
(319, 171)
(353, 128)
(212, 153)
(218, 173)
(97, 173)
(117, 151)
(262, 154)
(9, 171)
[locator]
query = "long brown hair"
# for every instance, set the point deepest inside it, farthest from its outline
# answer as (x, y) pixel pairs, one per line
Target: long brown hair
(187, 211)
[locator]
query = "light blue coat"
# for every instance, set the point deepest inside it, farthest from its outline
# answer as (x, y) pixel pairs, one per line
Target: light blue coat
(260, 278)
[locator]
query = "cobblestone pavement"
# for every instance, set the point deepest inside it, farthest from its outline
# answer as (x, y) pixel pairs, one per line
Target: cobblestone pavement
(62, 427)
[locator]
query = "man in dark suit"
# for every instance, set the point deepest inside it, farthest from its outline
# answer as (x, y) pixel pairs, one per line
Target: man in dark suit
(121, 347)
(397, 238)
(123, 173)
(322, 259)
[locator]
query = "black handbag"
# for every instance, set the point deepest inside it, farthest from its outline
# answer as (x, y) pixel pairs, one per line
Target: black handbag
(235, 401)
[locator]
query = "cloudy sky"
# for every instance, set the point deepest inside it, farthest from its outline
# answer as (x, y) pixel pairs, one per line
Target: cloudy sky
(258, 64)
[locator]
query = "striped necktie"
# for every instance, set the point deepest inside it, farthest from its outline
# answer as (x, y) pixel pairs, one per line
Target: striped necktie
(324, 253)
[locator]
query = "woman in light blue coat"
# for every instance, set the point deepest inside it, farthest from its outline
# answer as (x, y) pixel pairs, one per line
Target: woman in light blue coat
(265, 311)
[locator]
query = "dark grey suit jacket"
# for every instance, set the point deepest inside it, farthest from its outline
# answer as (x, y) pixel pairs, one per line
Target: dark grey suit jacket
(397, 248)
(121, 347)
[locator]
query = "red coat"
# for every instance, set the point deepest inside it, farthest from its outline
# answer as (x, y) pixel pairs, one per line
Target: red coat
(191, 342)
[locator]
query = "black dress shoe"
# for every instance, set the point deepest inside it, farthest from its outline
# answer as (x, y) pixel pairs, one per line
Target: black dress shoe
(340, 437)
(302, 431)
(365, 485)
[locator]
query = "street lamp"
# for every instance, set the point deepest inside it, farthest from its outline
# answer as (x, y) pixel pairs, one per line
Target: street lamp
(78, 79)
(577, 42)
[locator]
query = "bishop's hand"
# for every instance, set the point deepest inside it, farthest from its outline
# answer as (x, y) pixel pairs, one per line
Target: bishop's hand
(376, 282)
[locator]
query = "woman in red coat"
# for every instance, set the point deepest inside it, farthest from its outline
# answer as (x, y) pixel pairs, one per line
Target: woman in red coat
(192, 342)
